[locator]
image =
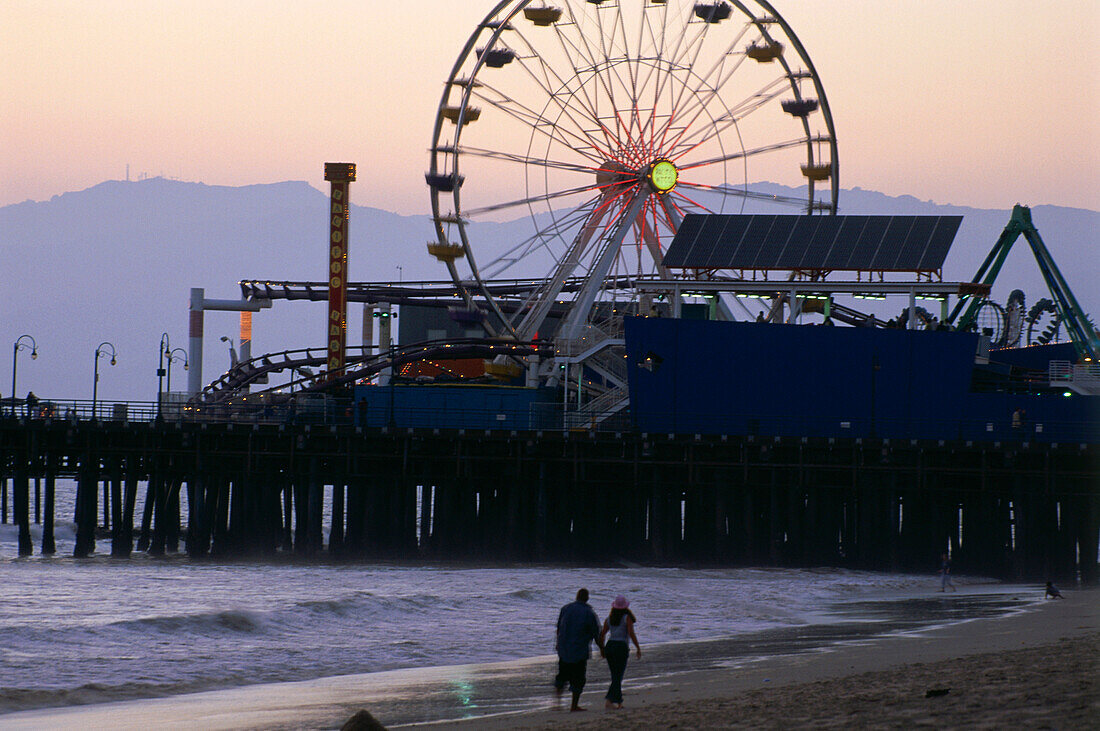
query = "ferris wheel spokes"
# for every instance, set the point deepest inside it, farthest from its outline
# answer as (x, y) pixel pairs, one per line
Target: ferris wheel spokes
(739, 154)
(739, 193)
(475, 212)
(581, 143)
(527, 160)
(540, 239)
(700, 134)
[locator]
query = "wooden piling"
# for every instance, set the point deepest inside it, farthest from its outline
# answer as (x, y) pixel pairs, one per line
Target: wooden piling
(21, 505)
(85, 509)
(1028, 511)
(49, 545)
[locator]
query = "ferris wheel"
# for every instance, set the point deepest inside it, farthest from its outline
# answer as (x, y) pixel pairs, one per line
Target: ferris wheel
(581, 132)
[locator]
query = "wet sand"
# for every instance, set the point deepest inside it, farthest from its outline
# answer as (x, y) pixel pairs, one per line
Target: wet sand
(1036, 667)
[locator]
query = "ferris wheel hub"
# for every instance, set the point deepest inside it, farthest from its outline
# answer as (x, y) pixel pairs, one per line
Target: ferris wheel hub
(663, 175)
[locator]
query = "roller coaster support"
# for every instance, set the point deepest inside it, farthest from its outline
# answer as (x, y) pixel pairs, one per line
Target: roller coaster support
(1082, 333)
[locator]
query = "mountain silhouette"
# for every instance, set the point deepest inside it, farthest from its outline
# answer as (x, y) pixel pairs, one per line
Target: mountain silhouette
(116, 262)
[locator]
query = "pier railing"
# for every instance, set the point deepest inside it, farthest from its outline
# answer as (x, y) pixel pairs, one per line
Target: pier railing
(336, 412)
(1083, 378)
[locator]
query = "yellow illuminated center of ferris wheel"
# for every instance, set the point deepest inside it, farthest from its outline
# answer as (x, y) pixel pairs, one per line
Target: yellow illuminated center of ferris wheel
(663, 175)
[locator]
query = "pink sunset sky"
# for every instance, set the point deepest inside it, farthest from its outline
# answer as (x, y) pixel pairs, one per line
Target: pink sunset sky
(984, 103)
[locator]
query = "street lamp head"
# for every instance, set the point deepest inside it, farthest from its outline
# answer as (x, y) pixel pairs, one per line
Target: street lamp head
(102, 349)
(225, 338)
(34, 354)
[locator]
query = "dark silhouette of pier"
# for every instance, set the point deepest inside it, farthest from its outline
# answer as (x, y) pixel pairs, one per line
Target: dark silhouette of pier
(1022, 511)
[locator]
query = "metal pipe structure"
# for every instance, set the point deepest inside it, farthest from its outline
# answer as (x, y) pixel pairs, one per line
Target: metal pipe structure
(194, 379)
(199, 305)
(244, 341)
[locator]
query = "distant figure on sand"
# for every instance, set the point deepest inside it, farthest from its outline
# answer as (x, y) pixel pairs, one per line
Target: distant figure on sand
(945, 574)
(618, 628)
(1052, 592)
(577, 627)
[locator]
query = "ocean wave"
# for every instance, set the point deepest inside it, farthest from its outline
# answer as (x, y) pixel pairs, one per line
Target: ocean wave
(522, 594)
(227, 621)
(25, 699)
(366, 604)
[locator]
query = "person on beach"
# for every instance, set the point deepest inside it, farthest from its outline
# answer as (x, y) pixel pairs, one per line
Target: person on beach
(945, 574)
(618, 628)
(1052, 592)
(577, 627)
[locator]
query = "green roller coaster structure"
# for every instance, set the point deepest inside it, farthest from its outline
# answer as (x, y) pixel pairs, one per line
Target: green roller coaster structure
(1082, 332)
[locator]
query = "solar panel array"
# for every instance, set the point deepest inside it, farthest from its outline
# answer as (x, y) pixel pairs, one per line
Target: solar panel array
(851, 243)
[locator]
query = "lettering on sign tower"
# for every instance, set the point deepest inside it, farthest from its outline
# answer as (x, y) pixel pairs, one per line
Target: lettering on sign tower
(339, 174)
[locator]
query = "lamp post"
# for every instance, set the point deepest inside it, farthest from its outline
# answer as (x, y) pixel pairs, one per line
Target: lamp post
(172, 356)
(232, 350)
(20, 345)
(99, 351)
(393, 372)
(165, 348)
(301, 371)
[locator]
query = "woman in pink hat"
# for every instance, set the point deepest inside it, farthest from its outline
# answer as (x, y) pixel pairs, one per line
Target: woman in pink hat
(618, 628)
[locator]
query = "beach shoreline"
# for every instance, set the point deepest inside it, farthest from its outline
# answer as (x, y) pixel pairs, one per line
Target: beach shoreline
(687, 698)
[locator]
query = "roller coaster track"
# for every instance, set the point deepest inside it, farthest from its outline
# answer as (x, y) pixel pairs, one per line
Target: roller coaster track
(362, 362)
(404, 292)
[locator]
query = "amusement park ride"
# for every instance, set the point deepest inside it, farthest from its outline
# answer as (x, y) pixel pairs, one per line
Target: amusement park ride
(628, 133)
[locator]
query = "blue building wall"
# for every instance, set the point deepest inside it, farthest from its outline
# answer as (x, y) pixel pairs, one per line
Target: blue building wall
(798, 380)
(456, 407)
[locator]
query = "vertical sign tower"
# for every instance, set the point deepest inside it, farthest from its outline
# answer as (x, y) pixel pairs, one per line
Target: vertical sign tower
(340, 174)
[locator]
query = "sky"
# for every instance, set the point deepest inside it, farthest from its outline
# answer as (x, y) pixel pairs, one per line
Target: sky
(984, 103)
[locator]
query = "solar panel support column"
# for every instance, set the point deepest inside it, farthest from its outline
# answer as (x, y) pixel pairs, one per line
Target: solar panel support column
(911, 321)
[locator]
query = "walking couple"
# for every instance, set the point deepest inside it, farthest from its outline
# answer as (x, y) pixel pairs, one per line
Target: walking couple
(578, 626)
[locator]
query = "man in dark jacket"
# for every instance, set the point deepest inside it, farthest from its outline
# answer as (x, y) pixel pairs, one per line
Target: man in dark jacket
(577, 627)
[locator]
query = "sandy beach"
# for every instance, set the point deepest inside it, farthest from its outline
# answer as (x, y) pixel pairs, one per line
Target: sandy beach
(1037, 667)
(1050, 686)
